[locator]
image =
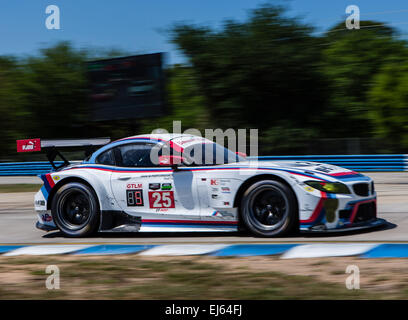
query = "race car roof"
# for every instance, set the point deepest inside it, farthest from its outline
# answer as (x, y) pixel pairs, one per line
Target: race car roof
(182, 140)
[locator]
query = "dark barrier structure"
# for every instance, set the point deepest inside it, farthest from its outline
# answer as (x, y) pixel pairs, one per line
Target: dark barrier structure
(26, 168)
(382, 162)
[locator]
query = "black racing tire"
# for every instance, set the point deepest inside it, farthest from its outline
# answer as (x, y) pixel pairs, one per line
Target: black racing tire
(75, 210)
(269, 209)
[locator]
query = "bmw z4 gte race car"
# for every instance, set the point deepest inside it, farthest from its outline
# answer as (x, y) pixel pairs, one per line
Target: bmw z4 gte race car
(120, 188)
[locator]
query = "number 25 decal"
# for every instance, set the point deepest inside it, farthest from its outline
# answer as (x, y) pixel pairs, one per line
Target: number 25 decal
(161, 199)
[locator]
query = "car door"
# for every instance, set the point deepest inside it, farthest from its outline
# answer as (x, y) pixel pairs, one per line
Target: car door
(144, 189)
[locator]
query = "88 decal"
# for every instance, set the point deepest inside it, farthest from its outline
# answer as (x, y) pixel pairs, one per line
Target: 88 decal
(161, 199)
(134, 198)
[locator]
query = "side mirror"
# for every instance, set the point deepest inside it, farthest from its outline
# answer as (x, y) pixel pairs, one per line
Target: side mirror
(173, 161)
(242, 154)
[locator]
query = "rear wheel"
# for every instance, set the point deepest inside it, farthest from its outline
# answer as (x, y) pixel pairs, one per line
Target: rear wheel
(269, 208)
(75, 210)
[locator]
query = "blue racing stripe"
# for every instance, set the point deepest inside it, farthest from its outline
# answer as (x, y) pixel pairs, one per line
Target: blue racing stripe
(355, 178)
(44, 192)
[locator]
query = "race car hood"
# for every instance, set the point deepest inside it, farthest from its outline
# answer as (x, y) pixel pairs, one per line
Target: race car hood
(302, 165)
(298, 165)
(321, 170)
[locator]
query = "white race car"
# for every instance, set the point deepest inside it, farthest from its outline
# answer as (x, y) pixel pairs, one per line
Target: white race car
(120, 188)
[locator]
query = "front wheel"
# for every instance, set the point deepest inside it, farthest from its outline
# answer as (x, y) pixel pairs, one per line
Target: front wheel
(75, 210)
(269, 208)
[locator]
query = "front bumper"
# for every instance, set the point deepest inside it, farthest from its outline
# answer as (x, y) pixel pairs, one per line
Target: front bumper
(45, 227)
(336, 213)
(45, 221)
(44, 217)
(371, 224)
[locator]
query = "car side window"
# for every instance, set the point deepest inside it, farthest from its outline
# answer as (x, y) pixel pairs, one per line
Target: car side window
(134, 155)
(106, 158)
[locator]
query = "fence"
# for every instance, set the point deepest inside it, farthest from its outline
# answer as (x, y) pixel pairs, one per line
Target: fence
(381, 162)
(25, 168)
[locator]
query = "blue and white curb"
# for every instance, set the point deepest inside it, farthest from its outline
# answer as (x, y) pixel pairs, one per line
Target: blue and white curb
(327, 250)
(46, 250)
(247, 250)
(284, 251)
(183, 250)
(111, 249)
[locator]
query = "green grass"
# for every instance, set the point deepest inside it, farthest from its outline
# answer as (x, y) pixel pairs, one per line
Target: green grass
(7, 188)
(135, 278)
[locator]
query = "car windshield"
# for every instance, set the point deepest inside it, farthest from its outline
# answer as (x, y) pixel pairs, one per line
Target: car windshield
(210, 154)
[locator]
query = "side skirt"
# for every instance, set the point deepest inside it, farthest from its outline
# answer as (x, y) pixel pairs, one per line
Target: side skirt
(119, 221)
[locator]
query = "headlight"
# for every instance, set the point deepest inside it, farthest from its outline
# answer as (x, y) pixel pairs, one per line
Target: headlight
(331, 187)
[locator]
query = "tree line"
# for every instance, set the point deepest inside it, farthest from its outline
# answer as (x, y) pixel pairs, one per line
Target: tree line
(300, 88)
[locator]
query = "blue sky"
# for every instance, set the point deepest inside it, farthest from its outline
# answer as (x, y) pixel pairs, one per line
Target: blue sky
(138, 26)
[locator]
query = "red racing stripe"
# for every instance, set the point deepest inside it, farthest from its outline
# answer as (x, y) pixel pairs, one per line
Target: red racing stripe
(355, 209)
(317, 210)
(49, 179)
(343, 174)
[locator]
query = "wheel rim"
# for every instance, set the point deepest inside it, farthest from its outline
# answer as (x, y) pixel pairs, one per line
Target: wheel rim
(268, 208)
(74, 209)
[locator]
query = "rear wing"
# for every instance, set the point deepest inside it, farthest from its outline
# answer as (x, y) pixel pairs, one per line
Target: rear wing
(51, 147)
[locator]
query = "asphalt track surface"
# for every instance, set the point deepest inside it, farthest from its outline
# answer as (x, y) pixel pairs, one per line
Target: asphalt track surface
(17, 220)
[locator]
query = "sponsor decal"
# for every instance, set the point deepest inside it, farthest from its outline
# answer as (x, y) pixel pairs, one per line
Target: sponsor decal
(226, 203)
(214, 182)
(325, 169)
(40, 203)
(222, 214)
(222, 182)
(309, 189)
(154, 186)
(56, 178)
(134, 198)
(162, 210)
(29, 145)
(156, 175)
(166, 186)
(214, 196)
(134, 186)
(188, 140)
(226, 214)
(225, 190)
(161, 199)
(46, 217)
(185, 141)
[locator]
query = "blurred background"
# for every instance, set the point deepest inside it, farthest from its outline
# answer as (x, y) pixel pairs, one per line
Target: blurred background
(288, 68)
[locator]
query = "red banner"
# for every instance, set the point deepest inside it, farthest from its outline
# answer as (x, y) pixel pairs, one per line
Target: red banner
(29, 145)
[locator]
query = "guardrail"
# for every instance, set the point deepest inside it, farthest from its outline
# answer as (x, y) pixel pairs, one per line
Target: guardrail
(26, 168)
(381, 162)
